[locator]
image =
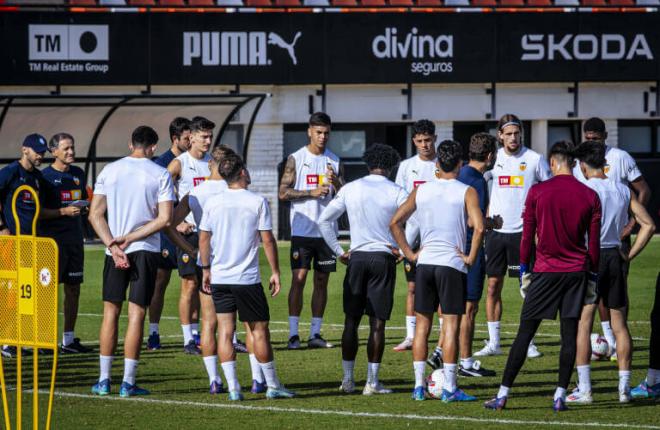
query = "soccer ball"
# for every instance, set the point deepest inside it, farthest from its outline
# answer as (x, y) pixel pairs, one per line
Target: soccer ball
(599, 347)
(434, 383)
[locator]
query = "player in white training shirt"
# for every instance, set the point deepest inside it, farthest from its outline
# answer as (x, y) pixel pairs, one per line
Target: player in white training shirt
(230, 230)
(517, 168)
(444, 209)
(312, 176)
(413, 172)
(137, 195)
(621, 167)
(616, 203)
(188, 170)
(369, 283)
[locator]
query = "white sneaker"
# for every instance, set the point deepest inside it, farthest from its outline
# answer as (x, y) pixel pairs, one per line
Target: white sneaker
(624, 396)
(347, 386)
(404, 346)
(533, 351)
(488, 350)
(371, 389)
(580, 398)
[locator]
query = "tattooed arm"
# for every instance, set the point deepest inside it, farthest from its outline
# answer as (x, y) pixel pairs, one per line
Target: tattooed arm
(287, 191)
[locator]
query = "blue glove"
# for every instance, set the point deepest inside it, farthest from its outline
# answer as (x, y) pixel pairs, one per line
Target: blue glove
(591, 296)
(525, 279)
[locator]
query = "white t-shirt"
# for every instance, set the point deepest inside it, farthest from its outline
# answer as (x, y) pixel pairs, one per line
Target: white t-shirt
(133, 187)
(614, 201)
(414, 171)
(370, 203)
(512, 177)
(234, 222)
(442, 222)
(193, 173)
(310, 174)
(200, 195)
(619, 165)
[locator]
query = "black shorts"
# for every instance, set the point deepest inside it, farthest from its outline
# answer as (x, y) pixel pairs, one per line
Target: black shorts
(306, 249)
(187, 263)
(141, 276)
(626, 244)
(410, 269)
(71, 263)
(440, 285)
(249, 300)
(168, 253)
(552, 292)
(612, 284)
(369, 285)
(502, 253)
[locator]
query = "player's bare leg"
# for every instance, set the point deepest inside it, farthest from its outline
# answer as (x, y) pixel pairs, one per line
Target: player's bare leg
(623, 351)
(493, 316)
(263, 351)
(186, 303)
(407, 342)
(583, 357)
(298, 279)
(156, 307)
(419, 352)
(319, 301)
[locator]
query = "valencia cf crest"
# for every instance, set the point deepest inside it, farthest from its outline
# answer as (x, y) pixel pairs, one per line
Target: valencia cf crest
(185, 258)
(76, 180)
(165, 253)
(606, 169)
(523, 166)
(295, 255)
(408, 267)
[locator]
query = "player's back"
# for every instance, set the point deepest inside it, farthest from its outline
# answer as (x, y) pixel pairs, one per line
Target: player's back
(614, 201)
(563, 209)
(201, 194)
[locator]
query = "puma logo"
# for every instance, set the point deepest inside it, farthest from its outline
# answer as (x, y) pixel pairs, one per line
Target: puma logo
(276, 39)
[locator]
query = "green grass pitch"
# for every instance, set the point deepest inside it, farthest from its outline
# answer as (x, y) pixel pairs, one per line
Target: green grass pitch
(180, 399)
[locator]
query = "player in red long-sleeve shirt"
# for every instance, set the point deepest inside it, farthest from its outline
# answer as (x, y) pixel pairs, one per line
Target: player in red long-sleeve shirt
(559, 212)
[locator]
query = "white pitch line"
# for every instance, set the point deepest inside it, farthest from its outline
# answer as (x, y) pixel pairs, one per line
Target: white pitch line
(345, 413)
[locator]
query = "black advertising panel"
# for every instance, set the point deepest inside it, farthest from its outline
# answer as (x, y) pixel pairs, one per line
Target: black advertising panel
(333, 48)
(59, 48)
(415, 47)
(250, 48)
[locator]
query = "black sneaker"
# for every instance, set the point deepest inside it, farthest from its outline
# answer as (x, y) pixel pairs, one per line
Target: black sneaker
(294, 342)
(318, 342)
(435, 360)
(192, 348)
(75, 347)
(475, 371)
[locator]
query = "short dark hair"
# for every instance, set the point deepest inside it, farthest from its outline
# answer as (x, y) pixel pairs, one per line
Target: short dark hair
(230, 167)
(591, 153)
(423, 126)
(54, 141)
(594, 124)
(379, 156)
(218, 154)
(482, 144)
(199, 123)
(178, 126)
(144, 136)
(450, 154)
(563, 150)
(320, 119)
(509, 119)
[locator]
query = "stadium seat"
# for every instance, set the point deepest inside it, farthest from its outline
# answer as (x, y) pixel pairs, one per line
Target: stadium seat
(372, 3)
(201, 3)
(344, 2)
(401, 3)
(429, 3)
(457, 2)
(593, 3)
(84, 2)
(316, 2)
(647, 2)
(567, 3)
(171, 2)
(257, 3)
(142, 2)
(287, 3)
(112, 2)
(484, 2)
(540, 3)
(224, 2)
(512, 2)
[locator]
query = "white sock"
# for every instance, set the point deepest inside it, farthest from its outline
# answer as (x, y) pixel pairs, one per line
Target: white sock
(584, 378)
(195, 328)
(609, 334)
(652, 376)
(130, 369)
(316, 327)
(270, 374)
(187, 333)
(624, 380)
(467, 363)
(67, 339)
(257, 374)
(348, 367)
(293, 326)
(211, 364)
(234, 339)
(372, 373)
(229, 369)
(418, 367)
(440, 321)
(494, 333)
(560, 393)
(411, 323)
(105, 362)
(504, 391)
(450, 377)
(154, 328)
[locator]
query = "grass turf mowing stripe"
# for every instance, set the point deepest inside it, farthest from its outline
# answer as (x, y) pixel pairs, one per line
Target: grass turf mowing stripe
(356, 414)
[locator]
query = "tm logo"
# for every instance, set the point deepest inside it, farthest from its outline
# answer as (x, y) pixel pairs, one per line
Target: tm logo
(68, 42)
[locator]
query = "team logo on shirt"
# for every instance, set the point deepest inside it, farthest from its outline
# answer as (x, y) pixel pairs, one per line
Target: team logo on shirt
(70, 195)
(185, 258)
(408, 267)
(418, 183)
(511, 181)
(76, 180)
(198, 180)
(523, 166)
(606, 169)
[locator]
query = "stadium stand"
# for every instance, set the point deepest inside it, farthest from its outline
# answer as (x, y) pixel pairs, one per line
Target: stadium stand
(505, 4)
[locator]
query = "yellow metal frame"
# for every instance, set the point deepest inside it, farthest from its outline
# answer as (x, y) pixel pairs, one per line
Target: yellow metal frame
(35, 344)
